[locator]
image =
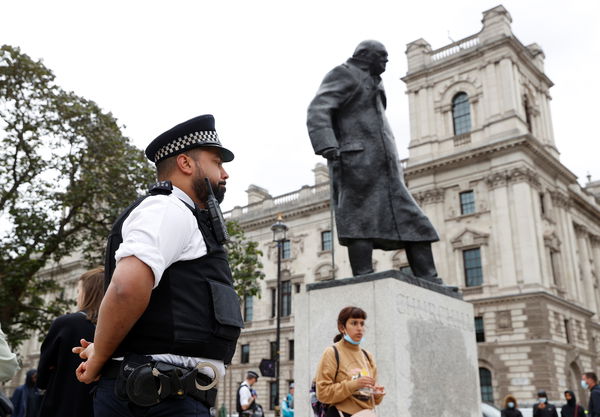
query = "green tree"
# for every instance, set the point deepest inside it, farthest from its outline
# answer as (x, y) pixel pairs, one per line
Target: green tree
(66, 172)
(244, 259)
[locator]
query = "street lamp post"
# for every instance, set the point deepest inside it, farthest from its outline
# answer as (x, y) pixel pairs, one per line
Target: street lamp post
(279, 234)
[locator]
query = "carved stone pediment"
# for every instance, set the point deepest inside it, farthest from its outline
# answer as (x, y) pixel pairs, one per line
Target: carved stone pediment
(468, 238)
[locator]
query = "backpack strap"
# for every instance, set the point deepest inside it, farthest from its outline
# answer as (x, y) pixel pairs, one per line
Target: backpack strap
(368, 358)
(337, 362)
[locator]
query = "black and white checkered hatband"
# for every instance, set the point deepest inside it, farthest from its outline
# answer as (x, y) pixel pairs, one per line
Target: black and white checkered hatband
(202, 138)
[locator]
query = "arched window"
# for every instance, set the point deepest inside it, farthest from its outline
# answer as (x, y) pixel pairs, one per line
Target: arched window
(527, 113)
(461, 114)
(485, 382)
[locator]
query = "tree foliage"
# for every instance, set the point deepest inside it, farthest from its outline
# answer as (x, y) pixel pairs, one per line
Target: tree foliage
(244, 259)
(66, 172)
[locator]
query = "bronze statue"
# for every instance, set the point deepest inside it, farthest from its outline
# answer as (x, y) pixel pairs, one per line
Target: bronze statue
(373, 208)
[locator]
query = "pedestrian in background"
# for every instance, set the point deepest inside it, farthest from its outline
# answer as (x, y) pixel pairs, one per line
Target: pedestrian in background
(589, 380)
(543, 408)
(26, 398)
(510, 407)
(571, 408)
(65, 395)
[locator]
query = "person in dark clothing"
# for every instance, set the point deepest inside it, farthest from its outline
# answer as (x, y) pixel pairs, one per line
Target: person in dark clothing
(26, 397)
(510, 407)
(65, 396)
(589, 380)
(543, 408)
(571, 408)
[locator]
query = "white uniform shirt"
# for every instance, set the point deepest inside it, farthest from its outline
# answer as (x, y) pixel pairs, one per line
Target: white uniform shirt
(160, 231)
(245, 393)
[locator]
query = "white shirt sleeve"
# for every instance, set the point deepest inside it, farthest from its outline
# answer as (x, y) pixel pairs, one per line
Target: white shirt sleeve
(245, 395)
(159, 232)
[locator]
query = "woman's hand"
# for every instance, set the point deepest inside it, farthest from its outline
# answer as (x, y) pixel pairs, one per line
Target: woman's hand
(365, 382)
(378, 390)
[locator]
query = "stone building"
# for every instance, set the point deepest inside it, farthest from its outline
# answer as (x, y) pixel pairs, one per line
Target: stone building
(519, 236)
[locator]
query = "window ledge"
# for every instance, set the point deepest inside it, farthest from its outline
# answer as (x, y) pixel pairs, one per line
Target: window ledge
(466, 216)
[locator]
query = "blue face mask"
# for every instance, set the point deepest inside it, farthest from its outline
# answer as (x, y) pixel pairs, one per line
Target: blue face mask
(584, 384)
(542, 400)
(511, 404)
(349, 340)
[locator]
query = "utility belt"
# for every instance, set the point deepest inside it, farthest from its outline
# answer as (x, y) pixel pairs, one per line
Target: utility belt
(144, 382)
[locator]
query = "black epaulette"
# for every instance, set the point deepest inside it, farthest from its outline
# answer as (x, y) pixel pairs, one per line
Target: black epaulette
(161, 187)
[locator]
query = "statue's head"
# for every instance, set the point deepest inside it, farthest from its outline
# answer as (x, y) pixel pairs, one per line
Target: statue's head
(373, 53)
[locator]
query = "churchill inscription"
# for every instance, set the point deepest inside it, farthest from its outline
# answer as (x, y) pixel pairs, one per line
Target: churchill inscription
(429, 311)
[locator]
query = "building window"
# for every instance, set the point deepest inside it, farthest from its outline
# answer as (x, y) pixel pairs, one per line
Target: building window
(248, 307)
(567, 331)
(527, 113)
(273, 347)
(291, 349)
(273, 302)
(467, 202)
(461, 114)
(473, 271)
(479, 332)
(326, 240)
(485, 381)
(286, 250)
(542, 204)
(245, 353)
(272, 394)
(554, 266)
(286, 298)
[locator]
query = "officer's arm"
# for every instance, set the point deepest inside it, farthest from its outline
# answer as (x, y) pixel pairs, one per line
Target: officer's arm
(250, 401)
(125, 300)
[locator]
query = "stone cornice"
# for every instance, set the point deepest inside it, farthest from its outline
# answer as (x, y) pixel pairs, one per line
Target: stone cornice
(589, 209)
(263, 218)
(486, 151)
(502, 299)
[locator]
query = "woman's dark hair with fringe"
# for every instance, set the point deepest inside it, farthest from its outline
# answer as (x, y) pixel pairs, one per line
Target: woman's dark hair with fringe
(92, 288)
(347, 313)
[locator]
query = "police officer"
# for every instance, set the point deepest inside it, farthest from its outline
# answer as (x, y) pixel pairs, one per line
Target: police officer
(246, 396)
(170, 318)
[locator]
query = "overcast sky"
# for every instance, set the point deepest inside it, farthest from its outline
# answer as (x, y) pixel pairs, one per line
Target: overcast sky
(257, 64)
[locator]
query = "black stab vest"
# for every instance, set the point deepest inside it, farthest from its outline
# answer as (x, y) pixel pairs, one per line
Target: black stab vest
(194, 310)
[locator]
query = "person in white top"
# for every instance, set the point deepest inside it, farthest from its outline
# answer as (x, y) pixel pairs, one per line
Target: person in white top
(170, 302)
(246, 399)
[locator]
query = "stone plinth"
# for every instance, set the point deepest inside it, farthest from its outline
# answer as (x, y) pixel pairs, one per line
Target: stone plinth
(421, 335)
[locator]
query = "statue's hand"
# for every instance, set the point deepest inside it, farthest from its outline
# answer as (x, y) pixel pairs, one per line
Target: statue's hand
(331, 154)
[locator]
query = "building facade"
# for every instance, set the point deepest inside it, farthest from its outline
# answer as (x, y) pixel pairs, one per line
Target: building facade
(519, 236)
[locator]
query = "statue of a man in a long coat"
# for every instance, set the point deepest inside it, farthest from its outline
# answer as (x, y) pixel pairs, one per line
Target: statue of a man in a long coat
(373, 207)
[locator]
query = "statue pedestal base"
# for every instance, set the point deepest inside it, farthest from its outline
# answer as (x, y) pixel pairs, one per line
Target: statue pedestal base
(421, 335)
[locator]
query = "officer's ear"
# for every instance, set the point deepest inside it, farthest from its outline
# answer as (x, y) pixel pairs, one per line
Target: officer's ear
(185, 163)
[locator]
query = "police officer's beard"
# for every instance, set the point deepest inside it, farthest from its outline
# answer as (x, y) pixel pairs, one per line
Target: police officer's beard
(201, 190)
